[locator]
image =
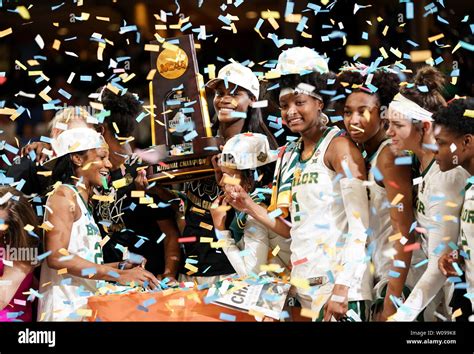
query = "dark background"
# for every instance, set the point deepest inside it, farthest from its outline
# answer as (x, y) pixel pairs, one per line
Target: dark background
(246, 44)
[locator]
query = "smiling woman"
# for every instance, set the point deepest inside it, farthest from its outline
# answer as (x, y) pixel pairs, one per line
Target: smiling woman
(75, 261)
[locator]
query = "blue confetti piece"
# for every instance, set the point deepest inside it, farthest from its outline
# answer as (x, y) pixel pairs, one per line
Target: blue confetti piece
(149, 302)
(457, 268)
(141, 116)
(66, 281)
(438, 60)
(440, 248)
(88, 271)
(209, 299)
(142, 308)
(55, 7)
(273, 87)
(335, 119)
(365, 35)
(399, 264)
(190, 135)
(113, 274)
(377, 174)
(39, 210)
(205, 270)
(275, 213)
(419, 264)
(410, 10)
(226, 317)
(191, 261)
(467, 46)
(461, 285)
(224, 19)
(203, 286)
(238, 115)
(290, 5)
(126, 29)
(139, 243)
(330, 276)
(278, 133)
(442, 20)
(393, 274)
(432, 147)
(453, 246)
(64, 93)
(302, 24)
(454, 279)
(43, 256)
(404, 160)
(85, 78)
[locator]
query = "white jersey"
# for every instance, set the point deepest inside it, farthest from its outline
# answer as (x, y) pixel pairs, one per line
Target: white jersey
(467, 238)
(252, 251)
(319, 223)
(438, 207)
(66, 294)
(381, 229)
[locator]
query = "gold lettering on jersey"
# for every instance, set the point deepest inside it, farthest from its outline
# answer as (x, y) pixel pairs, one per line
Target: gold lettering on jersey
(306, 178)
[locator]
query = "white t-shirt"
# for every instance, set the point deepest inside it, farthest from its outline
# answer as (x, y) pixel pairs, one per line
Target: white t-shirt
(67, 293)
(247, 255)
(320, 225)
(381, 226)
(467, 238)
(438, 208)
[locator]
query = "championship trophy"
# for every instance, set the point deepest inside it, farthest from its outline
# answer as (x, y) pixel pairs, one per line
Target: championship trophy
(180, 124)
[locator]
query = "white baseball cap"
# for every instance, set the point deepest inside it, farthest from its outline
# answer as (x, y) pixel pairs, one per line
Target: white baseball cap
(74, 140)
(297, 60)
(247, 151)
(239, 75)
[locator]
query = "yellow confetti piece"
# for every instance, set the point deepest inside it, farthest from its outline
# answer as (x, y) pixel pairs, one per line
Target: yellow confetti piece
(96, 105)
(103, 198)
(44, 173)
(28, 228)
(449, 218)
(273, 22)
(151, 74)
(23, 12)
(255, 313)
(397, 199)
(197, 210)
(231, 180)
(383, 52)
(47, 226)
(138, 194)
(435, 38)
(145, 200)
(293, 18)
(62, 271)
(457, 313)
(396, 52)
(20, 64)
(6, 32)
(152, 47)
(85, 16)
(308, 313)
(84, 312)
(456, 47)
(122, 182)
(42, 316)
(191, 267)
(219, 244)
(113, 88)
(451, 205)
(384, 32)
(206, 239)
(117, 130)
(395, 237)
(101, 18)
(364, 51)
(417, 56)
(46, 284)
(270, 267)
(128, 77)
(205, 226)
(160, 27)
(469, 113)
(276, 250)
(379, 19)
(169, 175)
(63, 252)
(104, 241)
(300, 283)
(306, 35)
(357, 128)
(211, 69)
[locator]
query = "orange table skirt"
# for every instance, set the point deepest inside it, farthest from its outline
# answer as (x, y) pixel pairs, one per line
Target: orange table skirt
(170, 305)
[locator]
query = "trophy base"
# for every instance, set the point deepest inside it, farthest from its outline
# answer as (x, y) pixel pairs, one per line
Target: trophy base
(189, 167)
